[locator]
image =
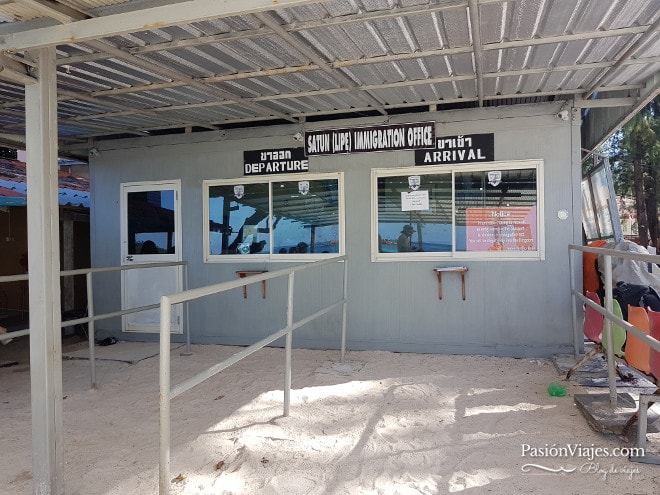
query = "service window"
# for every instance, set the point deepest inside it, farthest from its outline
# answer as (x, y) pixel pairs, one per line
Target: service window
(486, 210)
(279, 218)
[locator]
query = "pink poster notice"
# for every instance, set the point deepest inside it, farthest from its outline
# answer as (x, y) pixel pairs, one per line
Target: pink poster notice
(501, 229)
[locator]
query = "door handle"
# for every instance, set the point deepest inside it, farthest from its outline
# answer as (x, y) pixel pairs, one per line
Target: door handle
(129, 257)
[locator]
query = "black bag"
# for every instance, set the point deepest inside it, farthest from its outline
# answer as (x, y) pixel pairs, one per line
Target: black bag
(643, 296)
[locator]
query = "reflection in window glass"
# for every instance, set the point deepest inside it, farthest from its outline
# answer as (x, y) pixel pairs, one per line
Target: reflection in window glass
(150, 222)
(415, 220)
(274, 217)
(238, 219)
(306, 216)
(496, 212)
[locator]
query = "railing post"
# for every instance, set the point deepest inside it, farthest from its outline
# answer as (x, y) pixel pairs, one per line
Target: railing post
(576, 335)
(343, 315)
(611, 374)
(90, 328)
(186, 308)
(164, 465)
(289, 342)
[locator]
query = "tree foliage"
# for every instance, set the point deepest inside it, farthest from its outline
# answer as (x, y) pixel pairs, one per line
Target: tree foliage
(634, 151)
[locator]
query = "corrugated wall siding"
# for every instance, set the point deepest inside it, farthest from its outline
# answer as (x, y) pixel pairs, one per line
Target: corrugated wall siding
(515, 308)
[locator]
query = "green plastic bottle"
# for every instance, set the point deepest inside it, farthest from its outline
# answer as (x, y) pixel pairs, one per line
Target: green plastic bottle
(556, 389)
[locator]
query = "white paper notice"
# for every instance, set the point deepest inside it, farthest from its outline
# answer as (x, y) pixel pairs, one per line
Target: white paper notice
(415, 201)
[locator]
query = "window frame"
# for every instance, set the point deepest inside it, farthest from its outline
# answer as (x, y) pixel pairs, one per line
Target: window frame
(453, 169)
(269, 180)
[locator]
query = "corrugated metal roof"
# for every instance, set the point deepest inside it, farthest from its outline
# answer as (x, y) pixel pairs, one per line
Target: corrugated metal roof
(310, 60)
(72, 191)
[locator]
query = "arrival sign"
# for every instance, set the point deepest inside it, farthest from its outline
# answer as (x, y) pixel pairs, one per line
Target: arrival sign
(466, 148)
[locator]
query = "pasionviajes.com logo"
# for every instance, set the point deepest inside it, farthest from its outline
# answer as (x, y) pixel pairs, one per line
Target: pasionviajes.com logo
(590, 455)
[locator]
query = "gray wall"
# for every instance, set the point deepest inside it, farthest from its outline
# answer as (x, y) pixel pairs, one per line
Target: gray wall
(514, 308)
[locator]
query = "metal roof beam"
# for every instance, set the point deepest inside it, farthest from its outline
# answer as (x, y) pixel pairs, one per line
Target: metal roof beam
(55, 10)
(138, 20)
(16, 72)
(475, 29)
(305, 68)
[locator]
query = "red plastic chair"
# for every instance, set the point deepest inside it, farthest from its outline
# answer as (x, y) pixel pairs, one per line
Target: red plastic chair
(592, 329)
(593, 320)
(637, 353)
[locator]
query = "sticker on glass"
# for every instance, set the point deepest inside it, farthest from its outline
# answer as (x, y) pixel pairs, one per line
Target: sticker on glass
(494, 178)
(239, 191)
(414, 181)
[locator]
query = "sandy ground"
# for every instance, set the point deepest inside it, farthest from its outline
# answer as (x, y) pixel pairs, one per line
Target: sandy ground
(383, 423)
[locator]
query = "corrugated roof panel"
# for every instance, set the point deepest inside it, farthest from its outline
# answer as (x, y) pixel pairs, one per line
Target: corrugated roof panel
(142, 100)
(466, 89)
(228, 24)
(255, 54)
(530, 83)
(178, 95)
(78, 82)
(455, 23)
(216, 113)
(397, 35)
(447, 91)
(235, 61)
(331, 42)
(10, 92)
(87, 5)
(315, 11)
(462, 64)
(635, 74)
(603, 49)
(438, 66)
(179, 62)
(429, 30)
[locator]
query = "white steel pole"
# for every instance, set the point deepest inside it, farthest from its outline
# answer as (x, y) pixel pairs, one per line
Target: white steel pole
(611, 374)
(90, 328)
(289, 342)
(44, 277)
(164, 466)
(343, 316)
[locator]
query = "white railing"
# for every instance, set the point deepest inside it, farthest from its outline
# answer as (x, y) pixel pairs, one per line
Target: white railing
(610, 317)
(91, 317)
(166, 302)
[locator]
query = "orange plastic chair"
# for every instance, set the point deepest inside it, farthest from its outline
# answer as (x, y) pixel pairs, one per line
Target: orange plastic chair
(654, 328)
(590, 277)
(654, 364)
(638, 354)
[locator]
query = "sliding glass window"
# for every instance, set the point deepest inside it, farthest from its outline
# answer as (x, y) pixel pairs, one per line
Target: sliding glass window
(461, 211)
(280, 218)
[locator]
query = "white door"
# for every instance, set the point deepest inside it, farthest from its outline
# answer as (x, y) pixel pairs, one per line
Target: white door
(150, 232)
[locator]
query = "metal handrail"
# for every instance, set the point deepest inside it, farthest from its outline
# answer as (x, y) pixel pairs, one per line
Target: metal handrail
(91, 317)
(607, 311)
(167, 393)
